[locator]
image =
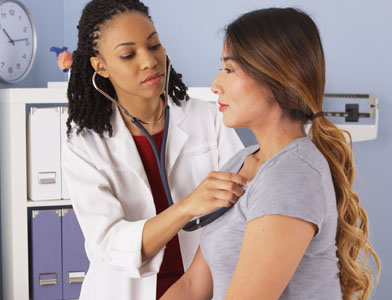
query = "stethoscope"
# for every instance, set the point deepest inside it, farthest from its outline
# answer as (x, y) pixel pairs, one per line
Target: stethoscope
(160, 157)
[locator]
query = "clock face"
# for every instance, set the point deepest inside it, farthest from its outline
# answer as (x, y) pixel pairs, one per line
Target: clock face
(17, 41)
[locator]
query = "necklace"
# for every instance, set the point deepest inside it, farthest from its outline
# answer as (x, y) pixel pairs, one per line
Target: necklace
(129, 124)
(152, 122)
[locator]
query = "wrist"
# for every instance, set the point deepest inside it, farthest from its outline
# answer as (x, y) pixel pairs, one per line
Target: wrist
(184, 209)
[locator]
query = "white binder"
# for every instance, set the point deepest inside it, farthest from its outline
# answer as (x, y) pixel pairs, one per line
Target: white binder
(43, 155)
(63, 126)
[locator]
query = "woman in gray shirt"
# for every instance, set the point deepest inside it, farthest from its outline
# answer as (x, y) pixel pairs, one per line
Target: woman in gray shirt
(297, 231)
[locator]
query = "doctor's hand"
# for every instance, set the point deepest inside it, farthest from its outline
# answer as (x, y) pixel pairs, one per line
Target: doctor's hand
(218, 189)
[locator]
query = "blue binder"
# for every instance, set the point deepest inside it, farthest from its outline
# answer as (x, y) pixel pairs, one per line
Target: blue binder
(75, 262)
(45, 255)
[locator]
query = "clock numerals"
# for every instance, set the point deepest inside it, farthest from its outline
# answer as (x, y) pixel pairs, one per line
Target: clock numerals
(17, 41)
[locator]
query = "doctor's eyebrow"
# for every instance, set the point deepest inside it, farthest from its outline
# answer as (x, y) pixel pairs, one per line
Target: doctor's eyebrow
(133, 43)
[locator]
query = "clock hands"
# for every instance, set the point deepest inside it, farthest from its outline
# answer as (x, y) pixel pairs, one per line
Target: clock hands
(17, 41)
(25, 39)
(10, 39)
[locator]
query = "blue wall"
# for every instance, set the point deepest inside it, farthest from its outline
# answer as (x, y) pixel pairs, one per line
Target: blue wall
(357, 37)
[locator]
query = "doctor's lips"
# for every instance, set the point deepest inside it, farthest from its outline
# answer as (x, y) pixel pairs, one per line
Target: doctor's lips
(222, 106)
(153, 79)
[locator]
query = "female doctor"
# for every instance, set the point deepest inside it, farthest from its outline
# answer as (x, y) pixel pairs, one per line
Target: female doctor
(110, 168)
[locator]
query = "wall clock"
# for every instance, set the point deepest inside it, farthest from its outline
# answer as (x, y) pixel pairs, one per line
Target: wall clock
(18, 41)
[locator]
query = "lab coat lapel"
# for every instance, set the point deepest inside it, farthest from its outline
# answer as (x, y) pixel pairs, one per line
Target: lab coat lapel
(176, 137)
(125, 148)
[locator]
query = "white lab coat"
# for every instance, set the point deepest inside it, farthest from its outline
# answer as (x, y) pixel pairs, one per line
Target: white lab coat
(112, 198)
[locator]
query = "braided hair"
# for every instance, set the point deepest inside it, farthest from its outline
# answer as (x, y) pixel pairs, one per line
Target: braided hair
(87, 108)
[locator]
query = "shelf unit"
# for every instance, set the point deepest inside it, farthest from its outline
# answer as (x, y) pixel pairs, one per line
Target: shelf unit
(13, 185)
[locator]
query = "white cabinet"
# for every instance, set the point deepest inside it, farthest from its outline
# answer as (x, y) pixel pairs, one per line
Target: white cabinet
(13, 184)
(43, 153)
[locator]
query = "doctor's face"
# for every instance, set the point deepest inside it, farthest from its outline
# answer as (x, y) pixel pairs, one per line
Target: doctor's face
(243, 101)
(132, 56)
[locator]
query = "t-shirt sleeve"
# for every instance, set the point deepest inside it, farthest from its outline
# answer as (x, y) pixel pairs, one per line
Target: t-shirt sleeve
(291, 188)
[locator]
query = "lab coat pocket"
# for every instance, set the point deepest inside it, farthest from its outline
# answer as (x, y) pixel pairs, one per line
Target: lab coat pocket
(204, 163)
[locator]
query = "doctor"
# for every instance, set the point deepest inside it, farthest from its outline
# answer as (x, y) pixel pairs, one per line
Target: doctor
(109, 166)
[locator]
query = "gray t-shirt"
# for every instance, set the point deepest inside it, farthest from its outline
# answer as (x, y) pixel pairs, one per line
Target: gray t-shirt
(296, 182)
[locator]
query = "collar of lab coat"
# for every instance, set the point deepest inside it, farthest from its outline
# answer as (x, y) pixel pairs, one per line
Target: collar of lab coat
(125, 148)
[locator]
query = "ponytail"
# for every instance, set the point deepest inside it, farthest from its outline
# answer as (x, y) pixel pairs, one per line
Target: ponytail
(353, 245)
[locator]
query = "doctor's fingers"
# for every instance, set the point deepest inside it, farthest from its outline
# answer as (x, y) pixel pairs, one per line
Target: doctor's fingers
(228, 176)
(224, 185)
(225, 197)
(222, 203)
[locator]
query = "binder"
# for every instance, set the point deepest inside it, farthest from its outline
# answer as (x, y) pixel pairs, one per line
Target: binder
(43, 155)
(75, 261)
(45, 255)
(63, 128)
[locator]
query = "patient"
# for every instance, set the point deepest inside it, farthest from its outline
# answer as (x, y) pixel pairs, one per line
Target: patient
(299, 228)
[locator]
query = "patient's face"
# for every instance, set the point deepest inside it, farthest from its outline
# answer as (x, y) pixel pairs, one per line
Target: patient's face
(243, 101)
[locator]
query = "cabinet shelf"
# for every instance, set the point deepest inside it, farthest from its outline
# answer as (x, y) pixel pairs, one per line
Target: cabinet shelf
(65, 202)
(13, 192)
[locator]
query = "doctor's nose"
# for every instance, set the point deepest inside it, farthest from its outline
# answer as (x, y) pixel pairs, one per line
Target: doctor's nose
(147, 61)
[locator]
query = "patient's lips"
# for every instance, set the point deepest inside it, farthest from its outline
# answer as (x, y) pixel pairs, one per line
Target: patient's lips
(222, 106)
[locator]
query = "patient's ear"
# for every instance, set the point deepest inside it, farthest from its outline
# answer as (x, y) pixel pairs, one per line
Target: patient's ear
(98, 66)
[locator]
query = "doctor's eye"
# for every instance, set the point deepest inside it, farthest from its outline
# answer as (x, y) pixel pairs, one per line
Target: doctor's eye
(155, 47)
(129, 56)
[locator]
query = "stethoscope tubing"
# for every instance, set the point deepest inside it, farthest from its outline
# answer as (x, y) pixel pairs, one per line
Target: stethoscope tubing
(160, 158)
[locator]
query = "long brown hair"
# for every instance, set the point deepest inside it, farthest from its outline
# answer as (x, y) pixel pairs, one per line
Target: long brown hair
(281, 48)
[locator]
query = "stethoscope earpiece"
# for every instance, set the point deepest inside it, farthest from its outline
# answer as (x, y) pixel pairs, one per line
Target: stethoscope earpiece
(168, 69)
